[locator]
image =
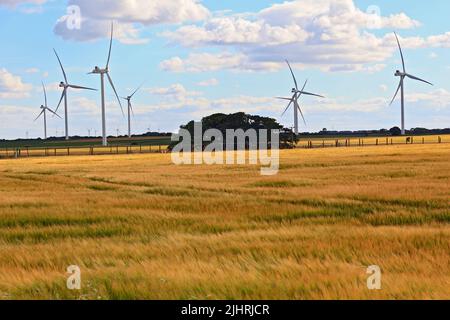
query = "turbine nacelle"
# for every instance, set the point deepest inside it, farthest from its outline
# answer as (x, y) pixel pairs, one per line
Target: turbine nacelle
(398, 73)
(98, 70)
(62, 85)
(294, 90)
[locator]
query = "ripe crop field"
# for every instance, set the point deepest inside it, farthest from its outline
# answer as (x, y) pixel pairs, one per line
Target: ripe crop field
(372, 141)
(141, 227)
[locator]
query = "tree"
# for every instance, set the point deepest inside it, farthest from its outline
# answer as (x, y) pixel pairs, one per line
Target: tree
(395, 131)
(243, 121)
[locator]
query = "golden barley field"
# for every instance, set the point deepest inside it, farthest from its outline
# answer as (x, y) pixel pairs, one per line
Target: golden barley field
(141, 227)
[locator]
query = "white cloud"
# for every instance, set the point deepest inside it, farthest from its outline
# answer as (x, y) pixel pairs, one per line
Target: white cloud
(32, 70)
(176, 92)
(204, 62)
(442, 40)
(84, 106)
(208, 83)
(236, 30)
(15, 3)
(12, 86)
(97, 29)
(25, 6)
(130, 14)
(194, 103)
(437, 99)
(325, 34)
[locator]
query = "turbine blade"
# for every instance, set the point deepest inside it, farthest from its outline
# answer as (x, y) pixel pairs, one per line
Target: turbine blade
(40, 114)
(304, 86)
(137, 90)
(311, 94)
(290, 102)
(293, 76)
(281, 98)
(110, 45)
(131, 108)
(418, 79)
(60, 64)
(80, 87)
(301, 112)
(45, 94)
(396, 92)
(401, 52)
(61, 99)
(51, 111)
(115, 92)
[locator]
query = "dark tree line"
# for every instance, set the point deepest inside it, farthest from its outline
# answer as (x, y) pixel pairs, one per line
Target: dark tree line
(243, 121)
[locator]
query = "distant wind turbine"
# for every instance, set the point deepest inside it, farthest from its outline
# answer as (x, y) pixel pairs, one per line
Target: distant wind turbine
(294, 100)
(130, 108)
(402, 76)
(102, 73)
(65, 85)
(44, 109)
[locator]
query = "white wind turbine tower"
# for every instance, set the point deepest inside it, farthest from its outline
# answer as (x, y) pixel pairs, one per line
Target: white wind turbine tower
(65, 85)
(130, 108)
(402, 76)
(44, 109)
(102, 73)
(294, 100)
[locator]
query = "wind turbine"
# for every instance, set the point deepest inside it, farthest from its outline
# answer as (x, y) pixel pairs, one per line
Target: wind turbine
(402, 76)
(65, 85)
(44, 109)
(102, 73)
(295, 97)
(130, 108)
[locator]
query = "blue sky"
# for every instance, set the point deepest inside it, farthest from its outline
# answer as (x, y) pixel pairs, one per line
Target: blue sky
(202, 57)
